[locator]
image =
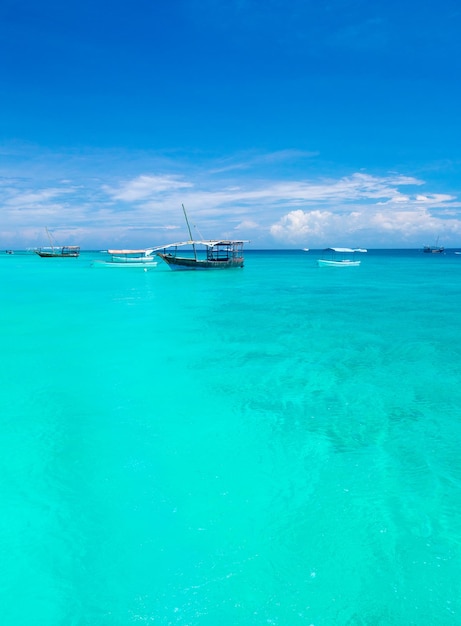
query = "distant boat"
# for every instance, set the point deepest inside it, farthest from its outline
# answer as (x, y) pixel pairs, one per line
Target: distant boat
(57, 251)
(306, 249)
(129, 258)
(9, 251)
(434, 249)
(339, 257)
(216, 254)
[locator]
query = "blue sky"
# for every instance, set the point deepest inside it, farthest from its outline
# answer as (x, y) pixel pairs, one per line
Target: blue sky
(291, 123)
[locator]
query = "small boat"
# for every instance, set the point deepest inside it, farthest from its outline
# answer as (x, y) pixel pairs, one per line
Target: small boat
(129, 258)
(434, 249)
(220, 254)
(58, 251)
(339, 257)
(305, 249)
(215, 255)
(53, 250)
(9, 251)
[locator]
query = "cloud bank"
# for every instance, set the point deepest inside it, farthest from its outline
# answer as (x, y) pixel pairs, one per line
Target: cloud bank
(97, 206)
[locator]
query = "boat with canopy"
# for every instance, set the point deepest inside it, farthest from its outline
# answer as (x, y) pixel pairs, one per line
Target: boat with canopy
(53, 250)
(340, 257)
(125, 258)
(216, 254)
(204, 255)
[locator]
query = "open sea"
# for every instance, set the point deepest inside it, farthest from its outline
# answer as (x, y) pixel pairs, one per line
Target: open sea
(274, 445)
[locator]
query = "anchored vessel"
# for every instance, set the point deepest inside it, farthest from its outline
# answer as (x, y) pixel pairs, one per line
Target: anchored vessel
(339, 257)
(129, 258)
(434, 249)
(220, 255)
(57, 251)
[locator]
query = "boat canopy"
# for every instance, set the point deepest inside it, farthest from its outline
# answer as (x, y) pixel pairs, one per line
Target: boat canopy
(146, 252)
(347, 249)
(207, 243)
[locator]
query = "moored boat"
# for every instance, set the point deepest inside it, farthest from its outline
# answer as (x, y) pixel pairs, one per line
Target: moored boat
(219, 254)
(340, 257)
(434, 249)
(53, 250)
(129, 258)
(205, 255)
(58, 251)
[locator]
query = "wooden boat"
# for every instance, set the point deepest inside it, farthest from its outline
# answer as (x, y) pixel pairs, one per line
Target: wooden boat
(219, 254)
(434, 249)
(215, 255)
(58, 251)
(339, 257)
(53, 250)
(129, 258)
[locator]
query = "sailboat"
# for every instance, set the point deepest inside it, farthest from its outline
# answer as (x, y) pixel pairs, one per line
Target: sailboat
(434, 249)
(205, 254)
(57, 251)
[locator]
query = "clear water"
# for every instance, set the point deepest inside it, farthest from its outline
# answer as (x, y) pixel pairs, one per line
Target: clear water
(274, 445)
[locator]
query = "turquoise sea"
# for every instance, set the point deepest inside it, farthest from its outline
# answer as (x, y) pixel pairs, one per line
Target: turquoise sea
(277, 445)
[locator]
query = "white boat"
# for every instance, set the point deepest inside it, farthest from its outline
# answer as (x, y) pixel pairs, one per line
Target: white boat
(129, 258)
(339, 257)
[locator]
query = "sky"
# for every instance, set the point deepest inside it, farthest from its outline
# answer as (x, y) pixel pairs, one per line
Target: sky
(288, 123)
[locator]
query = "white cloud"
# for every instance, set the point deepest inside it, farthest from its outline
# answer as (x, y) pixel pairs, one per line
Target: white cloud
(250, 161)
(14, 198)
(434, 199)
(247, 225)
(298, 227)
(145, 186)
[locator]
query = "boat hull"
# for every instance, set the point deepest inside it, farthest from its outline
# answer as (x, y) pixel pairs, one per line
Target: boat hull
(146, 265)
(345, 263)
(133, 261)
(56, 255)
(185, 263)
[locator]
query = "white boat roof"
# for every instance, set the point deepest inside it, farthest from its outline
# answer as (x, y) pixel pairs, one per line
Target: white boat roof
(347, 249)
(209, 243)
(148, 251)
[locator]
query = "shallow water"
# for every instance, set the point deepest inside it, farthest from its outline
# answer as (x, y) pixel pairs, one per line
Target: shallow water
(273, 445)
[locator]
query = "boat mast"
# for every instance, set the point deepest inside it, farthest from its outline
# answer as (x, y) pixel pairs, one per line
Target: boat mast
(49, 238)
(190, 234)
